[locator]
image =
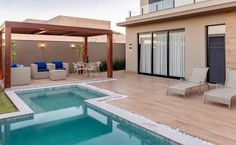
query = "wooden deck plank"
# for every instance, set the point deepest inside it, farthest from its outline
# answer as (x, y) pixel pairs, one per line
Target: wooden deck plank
(147, 97)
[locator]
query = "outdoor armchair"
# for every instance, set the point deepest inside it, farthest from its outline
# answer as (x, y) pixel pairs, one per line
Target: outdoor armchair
(59, 65)
(40, 70)
(197, 80)
(20, 76)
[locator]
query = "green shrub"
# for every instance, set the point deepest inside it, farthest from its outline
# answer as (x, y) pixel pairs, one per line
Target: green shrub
(118, 64)
(103, 66)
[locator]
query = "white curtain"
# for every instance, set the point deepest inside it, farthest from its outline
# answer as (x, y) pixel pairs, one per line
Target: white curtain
(145, 53)
(176, 53)
(160, 53)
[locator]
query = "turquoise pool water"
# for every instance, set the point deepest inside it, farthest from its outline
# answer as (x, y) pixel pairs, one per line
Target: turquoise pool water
(63, 118)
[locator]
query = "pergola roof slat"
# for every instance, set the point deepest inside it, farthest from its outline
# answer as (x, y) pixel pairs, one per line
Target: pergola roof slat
(49, 29)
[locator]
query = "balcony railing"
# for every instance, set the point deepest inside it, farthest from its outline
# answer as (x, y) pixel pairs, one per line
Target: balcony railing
(161, 5)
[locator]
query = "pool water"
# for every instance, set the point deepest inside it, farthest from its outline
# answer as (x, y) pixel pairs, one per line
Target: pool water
(57, 98)
(62, 117)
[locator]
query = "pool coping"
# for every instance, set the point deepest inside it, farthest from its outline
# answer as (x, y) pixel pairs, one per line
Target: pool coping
(24, 112)
(103, 103)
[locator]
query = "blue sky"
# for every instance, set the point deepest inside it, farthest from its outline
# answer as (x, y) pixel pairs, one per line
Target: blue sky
(112, 10)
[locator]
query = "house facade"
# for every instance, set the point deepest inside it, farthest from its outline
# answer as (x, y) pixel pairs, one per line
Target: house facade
(170, 37)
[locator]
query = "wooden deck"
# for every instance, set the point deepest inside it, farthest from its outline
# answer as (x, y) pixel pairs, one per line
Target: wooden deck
(147, 97)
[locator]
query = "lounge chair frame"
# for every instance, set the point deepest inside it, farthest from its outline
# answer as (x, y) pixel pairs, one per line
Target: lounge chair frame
(188, 90)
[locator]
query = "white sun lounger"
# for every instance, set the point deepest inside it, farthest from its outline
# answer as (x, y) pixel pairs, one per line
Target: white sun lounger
(224, 94)
(197, 80)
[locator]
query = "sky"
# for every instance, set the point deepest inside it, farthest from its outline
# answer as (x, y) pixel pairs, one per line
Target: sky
(112, 10)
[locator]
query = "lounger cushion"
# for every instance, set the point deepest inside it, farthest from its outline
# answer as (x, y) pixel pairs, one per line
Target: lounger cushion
(58, 64)
(181, 88)
(41, 65)
(222, 95)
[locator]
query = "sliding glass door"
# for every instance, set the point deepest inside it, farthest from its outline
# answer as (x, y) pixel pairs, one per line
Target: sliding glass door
(145, 44)
(176, 53)
(162, 53)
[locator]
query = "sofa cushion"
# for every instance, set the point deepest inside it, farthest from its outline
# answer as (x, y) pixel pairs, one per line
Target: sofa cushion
(58, 64)
(15, 65)
(43, 70)
(41, 65)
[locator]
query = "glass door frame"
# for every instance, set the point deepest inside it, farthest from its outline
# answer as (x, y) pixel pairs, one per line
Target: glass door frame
(207, 46)
(152, 55)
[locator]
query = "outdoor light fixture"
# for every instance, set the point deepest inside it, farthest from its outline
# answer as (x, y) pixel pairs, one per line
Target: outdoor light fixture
(130, 46)
(72, 46)
(42, 45)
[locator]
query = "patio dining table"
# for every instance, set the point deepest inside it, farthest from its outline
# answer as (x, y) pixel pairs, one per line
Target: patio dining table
(87, 67)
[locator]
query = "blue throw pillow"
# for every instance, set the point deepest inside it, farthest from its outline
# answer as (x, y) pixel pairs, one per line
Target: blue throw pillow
(41, 65)
(58, 64)
(14, 65)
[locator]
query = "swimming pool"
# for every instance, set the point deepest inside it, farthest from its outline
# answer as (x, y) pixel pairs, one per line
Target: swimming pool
(62, 117)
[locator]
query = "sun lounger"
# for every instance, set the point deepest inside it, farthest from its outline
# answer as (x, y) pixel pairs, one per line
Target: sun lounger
(225, 93)
(197, 80)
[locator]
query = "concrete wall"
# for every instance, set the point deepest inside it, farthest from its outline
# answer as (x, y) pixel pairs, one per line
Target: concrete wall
(195, 35)
(29, 52)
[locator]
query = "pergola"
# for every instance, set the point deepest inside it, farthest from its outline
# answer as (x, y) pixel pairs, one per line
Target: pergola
(10, 27)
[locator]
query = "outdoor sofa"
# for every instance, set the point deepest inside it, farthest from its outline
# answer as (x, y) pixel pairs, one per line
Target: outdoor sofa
(20, 75)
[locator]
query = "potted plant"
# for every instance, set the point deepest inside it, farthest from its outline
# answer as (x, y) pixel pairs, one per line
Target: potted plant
(13, 52)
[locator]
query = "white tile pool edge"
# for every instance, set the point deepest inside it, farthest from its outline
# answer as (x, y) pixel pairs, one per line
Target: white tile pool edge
(164, 130)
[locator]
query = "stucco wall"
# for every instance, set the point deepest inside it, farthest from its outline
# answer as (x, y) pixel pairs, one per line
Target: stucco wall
(195, 35)
(231, 39)
(144, 2)
(29, 52)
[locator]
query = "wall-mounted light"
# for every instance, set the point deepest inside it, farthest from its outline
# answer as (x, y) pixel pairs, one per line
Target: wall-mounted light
(42, 45)
(72, 46)
(130, 46)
